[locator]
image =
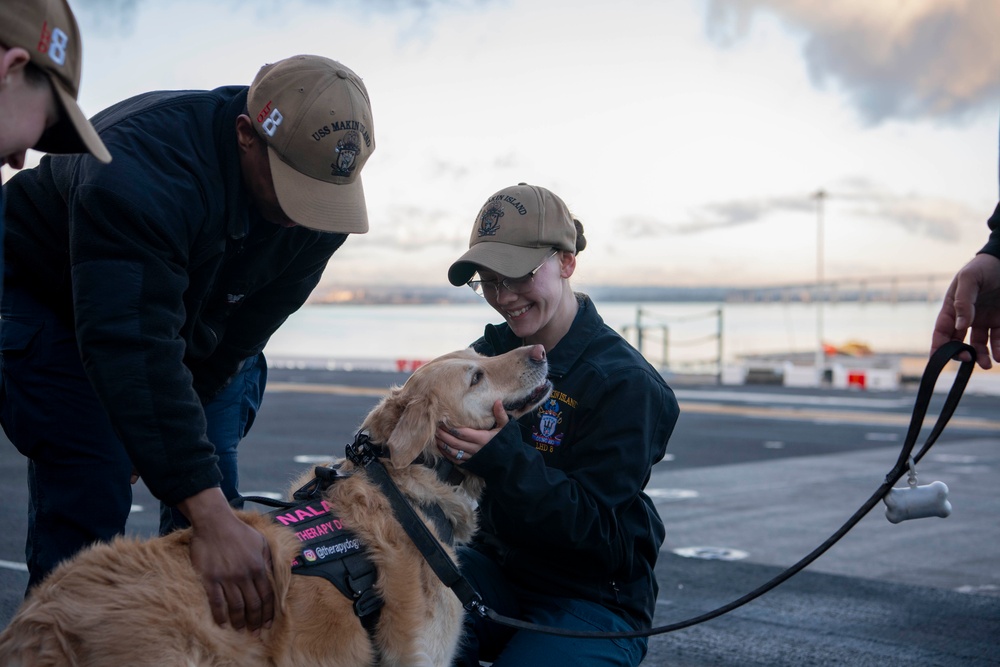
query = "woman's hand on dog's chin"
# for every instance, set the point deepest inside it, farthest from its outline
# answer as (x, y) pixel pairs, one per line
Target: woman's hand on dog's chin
(451, 441)
(501, 417)
(233, 560)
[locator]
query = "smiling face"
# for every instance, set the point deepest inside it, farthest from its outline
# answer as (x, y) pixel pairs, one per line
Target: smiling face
(544, 312)
(457, 390)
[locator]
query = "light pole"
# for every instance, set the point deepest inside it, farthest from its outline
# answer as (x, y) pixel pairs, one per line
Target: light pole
(820, 196)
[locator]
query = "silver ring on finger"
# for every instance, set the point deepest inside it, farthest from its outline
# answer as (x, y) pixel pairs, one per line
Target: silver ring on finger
(459, 455)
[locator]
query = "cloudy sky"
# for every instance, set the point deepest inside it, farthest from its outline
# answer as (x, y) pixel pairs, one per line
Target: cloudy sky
(689, 136)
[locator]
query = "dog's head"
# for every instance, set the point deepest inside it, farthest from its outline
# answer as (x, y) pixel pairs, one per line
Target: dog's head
(457, 389)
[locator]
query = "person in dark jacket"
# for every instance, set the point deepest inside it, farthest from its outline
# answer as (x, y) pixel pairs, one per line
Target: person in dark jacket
(140, 294)
(567, 537)
(973, 302)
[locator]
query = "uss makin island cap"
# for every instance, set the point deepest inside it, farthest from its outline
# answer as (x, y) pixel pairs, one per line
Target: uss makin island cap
(515, 230)
(315, 117)
(47, 30)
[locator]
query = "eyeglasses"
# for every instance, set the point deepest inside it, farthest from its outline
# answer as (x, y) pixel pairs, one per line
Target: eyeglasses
(513, 285)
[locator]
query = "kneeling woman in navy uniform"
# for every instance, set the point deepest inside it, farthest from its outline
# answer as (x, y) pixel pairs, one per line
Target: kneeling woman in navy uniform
(567, 536)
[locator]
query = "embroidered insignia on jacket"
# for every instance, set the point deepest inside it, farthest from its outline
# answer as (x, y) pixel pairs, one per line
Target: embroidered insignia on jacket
(549, 420)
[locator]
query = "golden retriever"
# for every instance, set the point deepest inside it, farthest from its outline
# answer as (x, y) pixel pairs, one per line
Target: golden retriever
(133, 602)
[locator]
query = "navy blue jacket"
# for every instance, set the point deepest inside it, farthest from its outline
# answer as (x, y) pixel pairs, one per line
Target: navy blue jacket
(992, 246)
(564, 512)
(168, 276)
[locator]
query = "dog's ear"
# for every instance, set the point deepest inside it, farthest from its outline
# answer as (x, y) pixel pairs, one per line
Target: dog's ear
(414, 431)
(384, 416)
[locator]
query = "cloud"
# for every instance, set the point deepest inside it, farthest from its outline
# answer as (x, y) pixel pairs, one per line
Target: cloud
(908, 60)
(640, 226)
(746, 211)
(449, 169)
(411, 228)
(935, 218)
(119, 16)
(715, 216)
(110, 16)
(931, 217)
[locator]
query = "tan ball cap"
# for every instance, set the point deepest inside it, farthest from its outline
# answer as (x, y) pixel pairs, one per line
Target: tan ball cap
(514, 232)
(315, 116)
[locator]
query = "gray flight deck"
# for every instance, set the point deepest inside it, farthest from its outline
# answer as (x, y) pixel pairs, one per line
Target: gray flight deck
(755, 479)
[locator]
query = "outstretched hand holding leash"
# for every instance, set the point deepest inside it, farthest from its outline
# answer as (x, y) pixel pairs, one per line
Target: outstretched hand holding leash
(972, 300)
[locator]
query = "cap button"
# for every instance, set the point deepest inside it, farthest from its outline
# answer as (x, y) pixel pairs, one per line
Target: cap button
(342, 74)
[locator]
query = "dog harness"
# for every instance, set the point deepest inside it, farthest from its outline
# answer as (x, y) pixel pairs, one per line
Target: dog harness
(332, 551)
(329, 549)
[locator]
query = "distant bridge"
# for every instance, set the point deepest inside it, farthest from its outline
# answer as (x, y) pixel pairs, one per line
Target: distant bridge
(883, 289)
(694, 341)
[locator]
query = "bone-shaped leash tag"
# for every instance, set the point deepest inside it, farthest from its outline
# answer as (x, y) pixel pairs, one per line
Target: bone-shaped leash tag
(917, 502)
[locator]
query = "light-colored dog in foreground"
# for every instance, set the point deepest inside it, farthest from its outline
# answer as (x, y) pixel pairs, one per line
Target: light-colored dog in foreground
(136, 602)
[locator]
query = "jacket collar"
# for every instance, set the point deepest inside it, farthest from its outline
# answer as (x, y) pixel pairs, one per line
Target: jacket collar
(237, 197)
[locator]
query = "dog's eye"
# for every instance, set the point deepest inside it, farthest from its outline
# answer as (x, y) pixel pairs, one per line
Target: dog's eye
(476, 377)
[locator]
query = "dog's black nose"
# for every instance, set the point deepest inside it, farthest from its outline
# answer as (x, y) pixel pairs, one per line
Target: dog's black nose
(537, 354)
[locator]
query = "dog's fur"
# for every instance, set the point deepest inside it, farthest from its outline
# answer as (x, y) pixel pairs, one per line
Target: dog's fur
(141, 603)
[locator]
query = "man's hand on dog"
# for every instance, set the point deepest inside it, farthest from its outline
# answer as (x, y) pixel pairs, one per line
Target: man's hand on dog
(233, 560)
(461, 444)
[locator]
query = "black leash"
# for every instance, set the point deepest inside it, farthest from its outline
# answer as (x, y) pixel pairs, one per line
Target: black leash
(363, 455)
(934, 367)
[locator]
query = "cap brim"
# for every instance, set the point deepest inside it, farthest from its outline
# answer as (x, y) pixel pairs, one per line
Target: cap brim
(510, 261)
(73, 133)
(316, 204)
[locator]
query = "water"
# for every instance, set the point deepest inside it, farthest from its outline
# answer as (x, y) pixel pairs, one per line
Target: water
(399, 335)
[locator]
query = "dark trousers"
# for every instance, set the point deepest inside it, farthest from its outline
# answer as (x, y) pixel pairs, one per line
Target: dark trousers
(78, 470)
(485, 640)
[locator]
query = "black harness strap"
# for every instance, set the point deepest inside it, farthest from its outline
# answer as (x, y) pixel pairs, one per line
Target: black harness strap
(329, 550)
(361, 578)
(363, 455)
